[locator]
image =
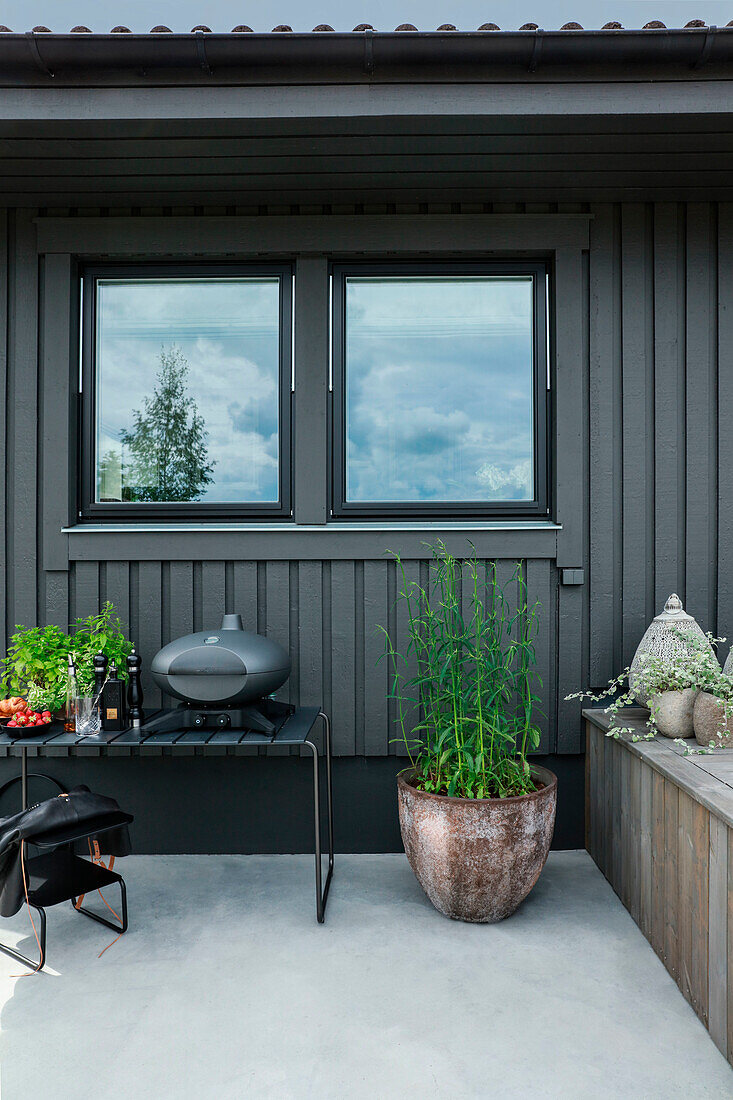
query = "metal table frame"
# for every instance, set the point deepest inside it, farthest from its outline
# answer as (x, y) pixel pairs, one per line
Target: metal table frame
(295, 730)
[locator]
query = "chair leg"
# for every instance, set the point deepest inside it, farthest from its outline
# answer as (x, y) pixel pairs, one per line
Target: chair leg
(32, 963)
(103, 920)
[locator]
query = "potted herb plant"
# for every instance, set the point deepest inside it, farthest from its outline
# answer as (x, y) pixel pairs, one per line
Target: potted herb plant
(37, 659)
(476, 817)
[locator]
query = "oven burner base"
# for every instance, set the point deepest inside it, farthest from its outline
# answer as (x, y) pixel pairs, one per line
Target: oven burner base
(246, 718)
(264, 717)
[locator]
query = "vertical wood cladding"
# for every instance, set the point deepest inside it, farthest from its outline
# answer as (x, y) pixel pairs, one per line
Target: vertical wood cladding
(316, 609)
(669, 857)
(661, 451)
(654, 496)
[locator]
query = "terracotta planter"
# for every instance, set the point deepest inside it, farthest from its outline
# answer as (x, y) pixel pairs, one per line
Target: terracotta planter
(477, 859)
(711, 721)
(673, 711)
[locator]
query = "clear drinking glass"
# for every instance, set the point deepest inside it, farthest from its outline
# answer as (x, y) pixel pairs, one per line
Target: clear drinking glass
(87, 716)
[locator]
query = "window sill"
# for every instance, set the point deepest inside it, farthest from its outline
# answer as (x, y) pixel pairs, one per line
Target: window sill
(305, 542)
(334, 526)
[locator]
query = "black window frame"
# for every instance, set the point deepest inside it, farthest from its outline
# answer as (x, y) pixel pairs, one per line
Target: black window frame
(539, 506)
(198, 511)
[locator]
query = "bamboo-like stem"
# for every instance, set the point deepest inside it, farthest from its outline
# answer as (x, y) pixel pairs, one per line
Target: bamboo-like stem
(473, 683)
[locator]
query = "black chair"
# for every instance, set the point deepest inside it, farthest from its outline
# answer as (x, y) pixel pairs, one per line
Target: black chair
(58, 874)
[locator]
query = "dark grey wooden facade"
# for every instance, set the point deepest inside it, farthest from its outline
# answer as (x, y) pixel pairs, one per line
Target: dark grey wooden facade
(646, 505)
(617, 172)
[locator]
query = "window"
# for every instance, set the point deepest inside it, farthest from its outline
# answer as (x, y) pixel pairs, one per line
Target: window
(186, 391)
(440, 391)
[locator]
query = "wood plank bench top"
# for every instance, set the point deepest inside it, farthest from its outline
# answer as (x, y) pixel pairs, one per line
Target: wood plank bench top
(707, 778)
(54, 742)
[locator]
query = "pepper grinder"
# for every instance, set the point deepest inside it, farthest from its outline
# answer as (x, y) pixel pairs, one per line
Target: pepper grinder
(100, 675)
(135, 712)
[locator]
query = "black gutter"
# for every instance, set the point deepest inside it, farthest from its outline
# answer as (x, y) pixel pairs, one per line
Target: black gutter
(62, 54)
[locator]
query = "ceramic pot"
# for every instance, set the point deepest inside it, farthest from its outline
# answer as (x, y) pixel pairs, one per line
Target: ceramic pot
(477, 859)
(711, 721)
(673, 712)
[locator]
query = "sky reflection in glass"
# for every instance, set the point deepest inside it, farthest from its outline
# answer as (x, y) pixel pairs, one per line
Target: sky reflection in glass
(227, 332)
(439, 389)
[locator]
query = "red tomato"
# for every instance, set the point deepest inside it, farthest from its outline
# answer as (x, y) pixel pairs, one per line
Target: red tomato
(12, 722)
(46, 720)
(46, 713)
(20, 719)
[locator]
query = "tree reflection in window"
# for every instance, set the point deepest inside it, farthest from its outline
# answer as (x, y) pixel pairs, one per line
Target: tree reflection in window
(164, 456)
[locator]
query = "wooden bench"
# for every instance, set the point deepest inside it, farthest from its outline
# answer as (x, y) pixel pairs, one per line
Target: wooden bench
(658, 825)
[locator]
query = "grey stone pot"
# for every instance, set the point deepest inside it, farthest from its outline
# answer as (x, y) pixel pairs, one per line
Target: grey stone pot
(711, 721)
(673, 712)
(477, 859)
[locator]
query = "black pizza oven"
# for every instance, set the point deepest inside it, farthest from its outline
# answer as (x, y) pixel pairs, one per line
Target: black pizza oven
(229, 667)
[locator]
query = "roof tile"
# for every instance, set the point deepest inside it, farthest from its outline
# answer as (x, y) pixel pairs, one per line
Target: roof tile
(242, 28)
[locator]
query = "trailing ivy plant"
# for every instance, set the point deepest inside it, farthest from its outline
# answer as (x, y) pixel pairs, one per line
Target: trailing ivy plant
(692, 666)
(465, 682)
(37, 659)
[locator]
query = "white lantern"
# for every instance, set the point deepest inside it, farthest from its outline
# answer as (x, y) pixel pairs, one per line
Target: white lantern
(666, 637)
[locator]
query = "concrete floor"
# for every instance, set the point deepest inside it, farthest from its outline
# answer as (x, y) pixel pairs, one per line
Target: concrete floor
(226, 987)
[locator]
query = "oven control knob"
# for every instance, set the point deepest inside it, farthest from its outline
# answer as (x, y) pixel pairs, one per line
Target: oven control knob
(223, 720)
(199, 720)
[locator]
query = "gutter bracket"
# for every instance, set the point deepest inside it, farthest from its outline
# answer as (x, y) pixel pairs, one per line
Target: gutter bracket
(536, 51)
(201, 50)
(30, 37)
(707, 45)
(368, 53)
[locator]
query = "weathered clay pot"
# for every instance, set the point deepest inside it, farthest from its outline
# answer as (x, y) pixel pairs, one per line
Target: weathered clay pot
(711, 721)
(673, 711)
(477, 859)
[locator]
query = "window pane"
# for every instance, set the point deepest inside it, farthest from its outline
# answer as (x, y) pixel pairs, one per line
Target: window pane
(187, 390)
(439, 389)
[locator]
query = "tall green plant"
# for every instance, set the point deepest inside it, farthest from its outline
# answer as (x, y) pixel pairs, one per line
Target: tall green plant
(467, 707)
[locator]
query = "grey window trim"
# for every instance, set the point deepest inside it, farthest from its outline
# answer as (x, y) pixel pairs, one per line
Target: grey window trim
(375, 235)
(62, 243)
(89, 509)
(539, 506)
(346, 541)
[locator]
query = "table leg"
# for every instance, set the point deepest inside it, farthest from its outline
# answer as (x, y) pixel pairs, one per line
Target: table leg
(321, 890)
(24, 778)
(329, 787)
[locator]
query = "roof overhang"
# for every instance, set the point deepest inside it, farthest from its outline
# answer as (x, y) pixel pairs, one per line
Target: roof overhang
(326, 118)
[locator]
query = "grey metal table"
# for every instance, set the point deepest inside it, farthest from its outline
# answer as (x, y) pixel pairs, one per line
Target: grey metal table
(295, 730)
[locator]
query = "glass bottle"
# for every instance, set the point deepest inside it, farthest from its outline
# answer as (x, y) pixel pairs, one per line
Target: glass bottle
(71, 694)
